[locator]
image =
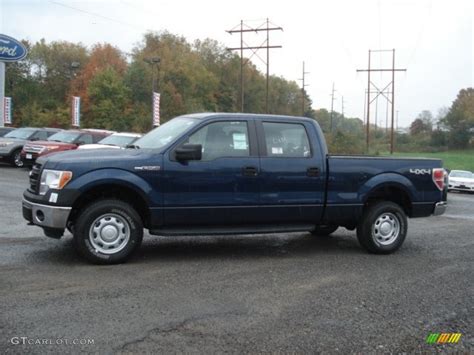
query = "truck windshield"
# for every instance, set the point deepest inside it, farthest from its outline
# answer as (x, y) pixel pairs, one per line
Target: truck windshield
(166, 133)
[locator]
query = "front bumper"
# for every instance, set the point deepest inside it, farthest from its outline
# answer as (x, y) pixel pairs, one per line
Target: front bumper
(53, 217)
(440, 208)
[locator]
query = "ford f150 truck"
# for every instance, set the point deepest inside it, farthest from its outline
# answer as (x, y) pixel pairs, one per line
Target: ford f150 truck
(227, 174)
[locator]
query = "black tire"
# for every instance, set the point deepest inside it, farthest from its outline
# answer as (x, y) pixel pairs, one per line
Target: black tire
(15, 159)
(120, 219)
(387, 215)
(324, 231)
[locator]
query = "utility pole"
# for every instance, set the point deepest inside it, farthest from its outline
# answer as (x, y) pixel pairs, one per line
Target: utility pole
(342, 108)
(391, 99)
(244, 46)
(332, 104)
(303, 85)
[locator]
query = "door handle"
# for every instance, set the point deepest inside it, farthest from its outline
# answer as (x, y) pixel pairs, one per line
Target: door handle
(250, 171)
(312, 171)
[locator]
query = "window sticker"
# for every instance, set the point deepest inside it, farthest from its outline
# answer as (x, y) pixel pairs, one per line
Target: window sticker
(240, 141)
(277, 150)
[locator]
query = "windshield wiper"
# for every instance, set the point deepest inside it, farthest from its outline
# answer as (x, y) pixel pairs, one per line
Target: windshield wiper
(132, 146)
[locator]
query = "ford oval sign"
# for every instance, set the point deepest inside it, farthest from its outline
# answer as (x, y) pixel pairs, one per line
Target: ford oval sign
(11, 50)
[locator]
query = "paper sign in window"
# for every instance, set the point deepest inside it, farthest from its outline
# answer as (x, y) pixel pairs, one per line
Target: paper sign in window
(240, 141)
(277, 150)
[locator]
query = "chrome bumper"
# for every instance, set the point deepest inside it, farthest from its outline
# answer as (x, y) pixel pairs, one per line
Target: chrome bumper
(45, 215)
(440, 208)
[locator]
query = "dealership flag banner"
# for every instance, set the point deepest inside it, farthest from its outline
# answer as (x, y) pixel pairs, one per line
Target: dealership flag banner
(156, 109)
(7, 110)
(76, 111)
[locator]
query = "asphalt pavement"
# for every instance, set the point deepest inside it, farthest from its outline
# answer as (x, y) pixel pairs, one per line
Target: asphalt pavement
(271, 293)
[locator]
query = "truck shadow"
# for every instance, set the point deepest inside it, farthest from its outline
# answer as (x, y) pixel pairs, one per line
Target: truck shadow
(237, 247)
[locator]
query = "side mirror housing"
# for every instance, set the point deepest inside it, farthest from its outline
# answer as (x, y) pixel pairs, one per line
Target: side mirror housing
(189, 152)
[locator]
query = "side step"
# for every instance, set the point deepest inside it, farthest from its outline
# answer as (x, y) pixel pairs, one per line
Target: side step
(213, 230)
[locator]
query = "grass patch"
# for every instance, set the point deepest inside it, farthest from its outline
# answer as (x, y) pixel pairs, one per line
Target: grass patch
(453, 159)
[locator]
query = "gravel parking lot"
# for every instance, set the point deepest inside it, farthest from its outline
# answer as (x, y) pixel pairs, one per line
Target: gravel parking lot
(289, 293)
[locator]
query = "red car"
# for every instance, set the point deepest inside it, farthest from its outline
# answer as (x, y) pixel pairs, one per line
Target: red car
(61, 141)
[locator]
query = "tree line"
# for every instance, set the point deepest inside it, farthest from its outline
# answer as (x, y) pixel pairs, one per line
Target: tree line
(115, 89)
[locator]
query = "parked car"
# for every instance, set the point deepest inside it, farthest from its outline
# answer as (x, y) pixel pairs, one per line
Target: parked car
(227, 174)
(116, 140)
(5, 130)
(61, 141)
(460, 180)
(12, 143)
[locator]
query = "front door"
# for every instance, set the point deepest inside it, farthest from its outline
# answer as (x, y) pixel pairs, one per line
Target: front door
(220, 189)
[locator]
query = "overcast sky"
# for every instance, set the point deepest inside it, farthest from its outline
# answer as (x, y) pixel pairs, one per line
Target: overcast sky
(433, 40)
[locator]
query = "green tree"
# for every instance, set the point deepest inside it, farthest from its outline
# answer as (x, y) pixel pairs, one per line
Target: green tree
(460, 119)
(109, 98)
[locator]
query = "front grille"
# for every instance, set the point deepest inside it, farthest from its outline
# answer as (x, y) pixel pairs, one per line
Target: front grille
(32, 148)
(35, 178)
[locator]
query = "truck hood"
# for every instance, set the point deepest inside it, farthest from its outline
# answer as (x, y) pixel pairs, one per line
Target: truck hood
(82, 161)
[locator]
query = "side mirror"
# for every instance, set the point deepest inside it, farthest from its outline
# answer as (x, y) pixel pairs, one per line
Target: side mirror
(189, 152)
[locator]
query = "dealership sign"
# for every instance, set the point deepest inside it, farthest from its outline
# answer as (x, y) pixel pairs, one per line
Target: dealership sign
(76, 111)
(11, 50)
(156, 109)
(7, 110)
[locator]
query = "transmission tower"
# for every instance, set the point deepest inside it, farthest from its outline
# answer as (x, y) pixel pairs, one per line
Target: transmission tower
(244, 46)
(381, 92)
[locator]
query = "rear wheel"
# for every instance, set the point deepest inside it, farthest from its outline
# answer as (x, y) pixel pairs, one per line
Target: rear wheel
(16, 160)
(108, 231)
(324, 231)
(383, 228)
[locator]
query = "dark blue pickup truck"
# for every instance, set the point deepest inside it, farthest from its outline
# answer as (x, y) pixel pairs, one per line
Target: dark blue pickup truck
(228, 174)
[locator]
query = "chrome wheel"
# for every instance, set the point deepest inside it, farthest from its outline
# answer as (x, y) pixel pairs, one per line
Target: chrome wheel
(386, 229)
(109, 233)
(17, 159)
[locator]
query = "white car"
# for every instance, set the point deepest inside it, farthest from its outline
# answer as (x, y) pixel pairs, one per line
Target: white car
(116, 140)
(461, 180)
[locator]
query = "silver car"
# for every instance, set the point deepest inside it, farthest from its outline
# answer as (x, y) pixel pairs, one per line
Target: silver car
(12, 143)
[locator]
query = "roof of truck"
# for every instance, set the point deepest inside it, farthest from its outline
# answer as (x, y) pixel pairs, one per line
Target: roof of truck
(256, 116)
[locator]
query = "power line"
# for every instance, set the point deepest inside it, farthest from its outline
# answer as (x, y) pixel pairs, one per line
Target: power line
(99, 15)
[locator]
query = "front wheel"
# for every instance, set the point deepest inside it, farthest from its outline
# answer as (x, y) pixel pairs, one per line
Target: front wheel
(108, 231)
(383, 228)
(16, 159)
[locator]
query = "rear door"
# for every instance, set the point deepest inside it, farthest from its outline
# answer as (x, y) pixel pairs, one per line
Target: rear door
(222, 187)
(292, 172)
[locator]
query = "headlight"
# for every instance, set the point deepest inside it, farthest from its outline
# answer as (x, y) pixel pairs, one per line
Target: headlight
(53, 179)
(5, 144)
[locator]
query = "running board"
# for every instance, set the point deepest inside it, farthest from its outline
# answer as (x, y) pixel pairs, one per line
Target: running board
(212, 230)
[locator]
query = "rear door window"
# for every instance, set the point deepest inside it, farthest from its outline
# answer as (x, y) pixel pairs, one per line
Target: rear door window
(286, 140)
